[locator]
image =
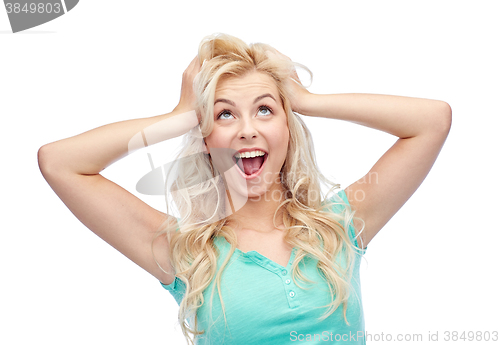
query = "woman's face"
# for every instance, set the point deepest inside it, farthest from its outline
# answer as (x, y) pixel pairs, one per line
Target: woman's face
(249, 116)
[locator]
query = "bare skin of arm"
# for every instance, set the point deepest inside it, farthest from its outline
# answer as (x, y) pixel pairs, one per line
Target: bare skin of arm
(72, 168)
(422, 126)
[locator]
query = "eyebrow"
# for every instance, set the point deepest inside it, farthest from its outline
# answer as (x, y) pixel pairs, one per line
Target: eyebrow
(234, 105)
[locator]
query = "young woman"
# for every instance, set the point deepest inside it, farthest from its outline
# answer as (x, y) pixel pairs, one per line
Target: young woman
(260, 254)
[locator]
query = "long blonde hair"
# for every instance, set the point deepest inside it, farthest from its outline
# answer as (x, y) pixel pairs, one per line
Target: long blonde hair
(199, 193)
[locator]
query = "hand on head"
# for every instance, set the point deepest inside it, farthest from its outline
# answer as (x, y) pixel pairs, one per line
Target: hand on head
(297, 91)
(187, 101)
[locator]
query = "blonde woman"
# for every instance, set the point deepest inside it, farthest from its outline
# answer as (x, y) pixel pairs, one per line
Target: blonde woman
(261, 252)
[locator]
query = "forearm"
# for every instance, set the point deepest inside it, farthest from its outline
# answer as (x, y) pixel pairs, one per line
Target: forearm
(92, 151)
(404, 117)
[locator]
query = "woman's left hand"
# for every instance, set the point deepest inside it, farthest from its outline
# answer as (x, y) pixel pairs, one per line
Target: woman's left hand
(298, 93)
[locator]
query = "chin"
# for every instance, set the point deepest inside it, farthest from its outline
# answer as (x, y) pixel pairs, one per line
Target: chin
(250, 192)
(263, 192)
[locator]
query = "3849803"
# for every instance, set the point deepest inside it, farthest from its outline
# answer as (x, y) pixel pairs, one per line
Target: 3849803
(33, 8)
(471, 336)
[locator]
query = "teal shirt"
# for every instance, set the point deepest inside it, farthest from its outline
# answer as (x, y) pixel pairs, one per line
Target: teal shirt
(264, 306)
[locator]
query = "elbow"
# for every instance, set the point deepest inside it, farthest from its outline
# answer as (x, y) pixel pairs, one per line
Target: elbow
(44, 159)
(443, 118)
(447, 116)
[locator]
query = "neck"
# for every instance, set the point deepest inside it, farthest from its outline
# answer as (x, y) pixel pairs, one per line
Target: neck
(256, 213)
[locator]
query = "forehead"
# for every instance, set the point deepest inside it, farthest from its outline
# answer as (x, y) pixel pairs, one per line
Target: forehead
(251, 84)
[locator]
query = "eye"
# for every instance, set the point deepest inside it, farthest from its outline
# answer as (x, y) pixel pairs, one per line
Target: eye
(265, 110)
(222, 115)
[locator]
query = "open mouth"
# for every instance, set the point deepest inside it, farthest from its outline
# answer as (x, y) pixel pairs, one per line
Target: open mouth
(250, 166)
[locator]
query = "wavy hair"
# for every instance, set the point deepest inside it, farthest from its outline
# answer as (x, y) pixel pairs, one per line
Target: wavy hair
(199, 193)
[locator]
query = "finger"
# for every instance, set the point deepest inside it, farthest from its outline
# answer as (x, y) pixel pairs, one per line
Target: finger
(190, 64)
(193, 65)
(278, 55)
(197, 65)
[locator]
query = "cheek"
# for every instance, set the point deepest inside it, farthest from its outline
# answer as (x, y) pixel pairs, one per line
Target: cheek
(281, 138)
(218, 139)
(285, 135)
(213, 139)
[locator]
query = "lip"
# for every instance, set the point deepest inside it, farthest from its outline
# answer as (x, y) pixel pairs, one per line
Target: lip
(252, 149)
(255, 174)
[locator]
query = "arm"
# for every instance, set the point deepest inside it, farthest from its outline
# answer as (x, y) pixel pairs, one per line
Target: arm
(72, 168)
(422, 126)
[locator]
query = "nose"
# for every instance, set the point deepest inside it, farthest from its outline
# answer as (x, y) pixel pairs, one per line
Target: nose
(247, 129)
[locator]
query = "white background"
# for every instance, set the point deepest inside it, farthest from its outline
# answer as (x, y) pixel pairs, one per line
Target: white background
(433, 268)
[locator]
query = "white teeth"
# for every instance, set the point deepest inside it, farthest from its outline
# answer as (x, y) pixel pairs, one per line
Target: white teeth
(252, 154)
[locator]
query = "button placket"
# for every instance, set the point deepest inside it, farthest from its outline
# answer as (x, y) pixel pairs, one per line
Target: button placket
(289, 288)
(280, 271)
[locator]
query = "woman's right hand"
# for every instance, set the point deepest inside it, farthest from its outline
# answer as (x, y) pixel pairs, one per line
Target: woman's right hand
(188, 97)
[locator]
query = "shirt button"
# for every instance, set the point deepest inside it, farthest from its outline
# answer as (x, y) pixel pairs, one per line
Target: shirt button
(283, 272)
(292, 294)
(287, 281)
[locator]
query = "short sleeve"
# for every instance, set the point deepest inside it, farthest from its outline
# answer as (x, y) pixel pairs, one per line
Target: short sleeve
(339, 208)
(177, 288)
